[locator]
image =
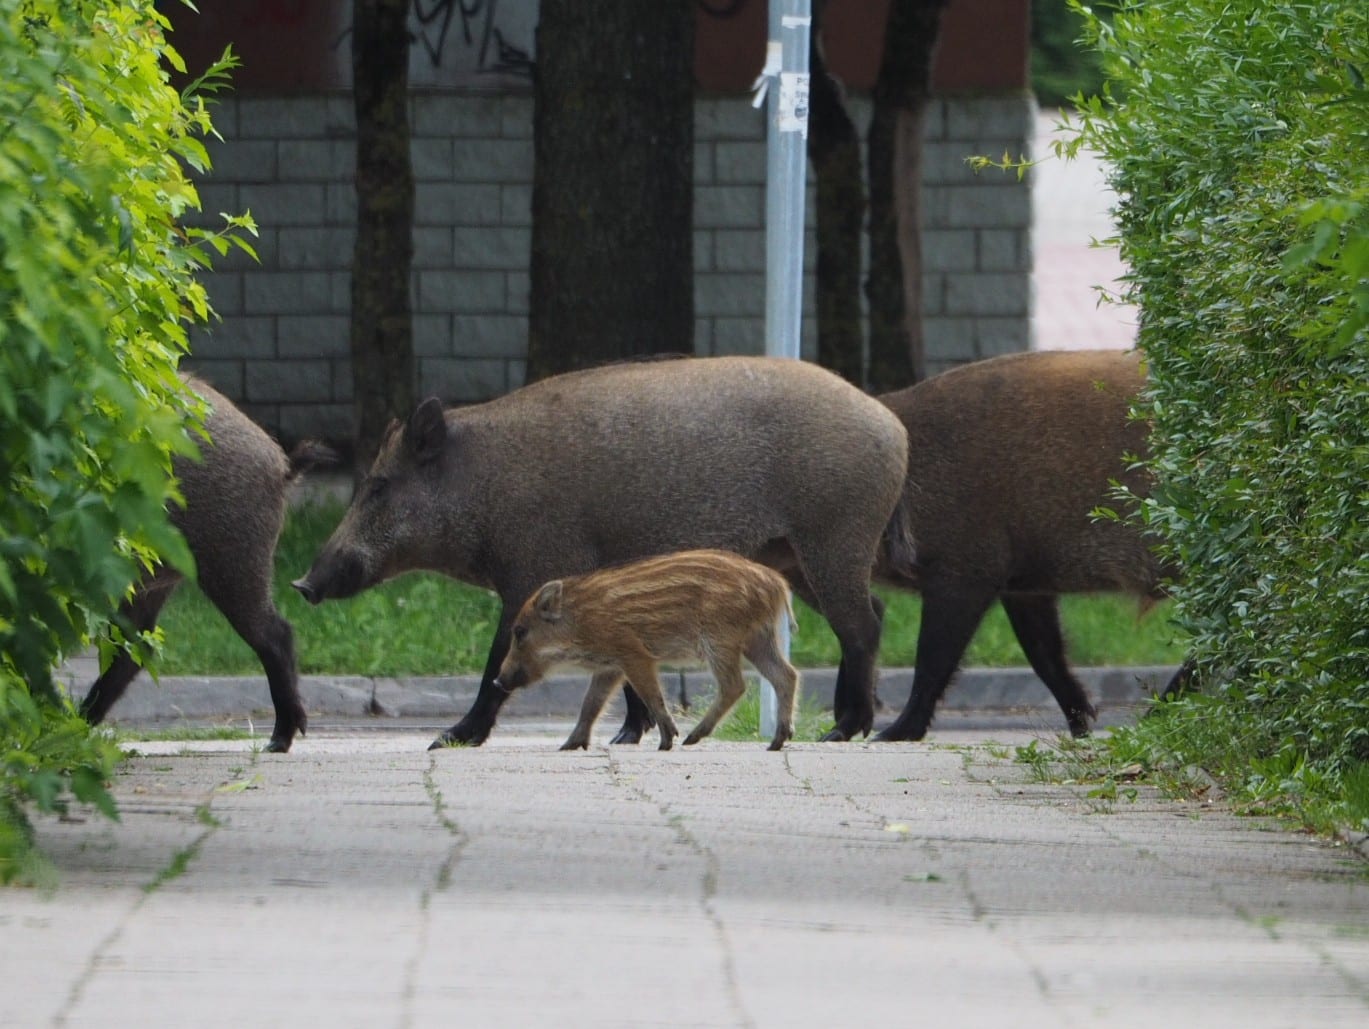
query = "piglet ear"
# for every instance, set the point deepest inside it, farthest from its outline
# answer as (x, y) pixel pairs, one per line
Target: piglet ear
(548, 602)
(426, 433)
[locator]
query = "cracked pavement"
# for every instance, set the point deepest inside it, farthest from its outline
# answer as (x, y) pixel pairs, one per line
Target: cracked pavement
(363, 880)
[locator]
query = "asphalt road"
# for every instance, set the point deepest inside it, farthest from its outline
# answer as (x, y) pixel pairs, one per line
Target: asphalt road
(362, 880)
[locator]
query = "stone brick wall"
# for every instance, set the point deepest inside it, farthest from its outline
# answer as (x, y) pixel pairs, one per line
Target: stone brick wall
(976, 232)
(281, 348)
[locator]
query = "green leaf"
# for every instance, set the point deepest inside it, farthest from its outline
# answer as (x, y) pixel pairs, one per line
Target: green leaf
(88, 786)
(97, 281)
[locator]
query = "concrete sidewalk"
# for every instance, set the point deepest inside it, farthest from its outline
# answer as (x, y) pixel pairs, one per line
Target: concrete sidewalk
(363, 881)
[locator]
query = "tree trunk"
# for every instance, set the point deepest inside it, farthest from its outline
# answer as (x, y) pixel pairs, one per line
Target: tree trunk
(834, 149)
(894, 285)
(382, 326)
(612, 273)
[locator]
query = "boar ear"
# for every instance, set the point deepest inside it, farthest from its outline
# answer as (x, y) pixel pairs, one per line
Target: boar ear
(426, 433)
(548, 602)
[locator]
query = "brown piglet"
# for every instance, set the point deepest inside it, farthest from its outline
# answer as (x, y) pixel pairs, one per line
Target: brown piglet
(692, 607)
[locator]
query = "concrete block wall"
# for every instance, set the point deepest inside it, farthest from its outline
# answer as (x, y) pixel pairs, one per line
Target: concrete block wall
(281, 346)
(976, 231)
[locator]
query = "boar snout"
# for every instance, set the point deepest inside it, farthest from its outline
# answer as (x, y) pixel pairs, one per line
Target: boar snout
(333, 577)
(307, 591)
(510, 680)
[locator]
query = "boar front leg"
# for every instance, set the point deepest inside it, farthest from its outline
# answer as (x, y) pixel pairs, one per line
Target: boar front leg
(601, 687)
(474, 728)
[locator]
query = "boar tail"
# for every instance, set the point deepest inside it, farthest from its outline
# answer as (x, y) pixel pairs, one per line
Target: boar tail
(898, 545)
(309, 455)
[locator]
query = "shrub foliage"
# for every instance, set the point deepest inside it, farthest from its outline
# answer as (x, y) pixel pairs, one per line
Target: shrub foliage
(1061, 65)
(1241, 160)
(96, 285)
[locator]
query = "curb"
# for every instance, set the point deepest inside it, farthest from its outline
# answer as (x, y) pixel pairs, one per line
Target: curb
(174, 698)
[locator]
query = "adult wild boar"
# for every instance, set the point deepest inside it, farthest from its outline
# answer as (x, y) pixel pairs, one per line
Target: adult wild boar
(693, 607)
(1007, 460)
(775, 460)
(234, 509)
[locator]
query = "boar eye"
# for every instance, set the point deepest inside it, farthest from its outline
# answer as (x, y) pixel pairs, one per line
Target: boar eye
(520, 633)
(376, 487)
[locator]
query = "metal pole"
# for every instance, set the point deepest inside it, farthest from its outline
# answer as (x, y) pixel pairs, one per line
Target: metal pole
(786, 72)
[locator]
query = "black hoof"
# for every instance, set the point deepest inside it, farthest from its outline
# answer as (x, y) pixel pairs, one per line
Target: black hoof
(850, 728)
(277, 746)
(899, 734)
(1081, 722)
(628, 734)
(462, 734)
(448, 740)
(444, 742)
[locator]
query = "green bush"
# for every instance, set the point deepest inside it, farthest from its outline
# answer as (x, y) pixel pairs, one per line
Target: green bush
(1061, 65)
(96, 285)
(1240, 160)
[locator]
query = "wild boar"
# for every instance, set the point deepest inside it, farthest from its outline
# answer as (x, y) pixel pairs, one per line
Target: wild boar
(1007, 461)
(234, 509)
(697, 606)
(775, 460)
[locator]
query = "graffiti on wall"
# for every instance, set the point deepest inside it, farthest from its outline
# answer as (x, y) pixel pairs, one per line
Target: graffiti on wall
(463, 42)
(485, 42)
(302, 45)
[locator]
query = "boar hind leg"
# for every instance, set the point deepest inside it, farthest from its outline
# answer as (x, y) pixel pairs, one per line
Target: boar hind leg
(845, 689)
(1035, 620)
(271, 638)
(141, 612)
(243, 594)
(601, 687)
(950, 615)
(727, 672)
(764, 652)
(845, 603)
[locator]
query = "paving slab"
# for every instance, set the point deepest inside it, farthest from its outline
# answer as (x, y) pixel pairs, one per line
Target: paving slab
(363, 880)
